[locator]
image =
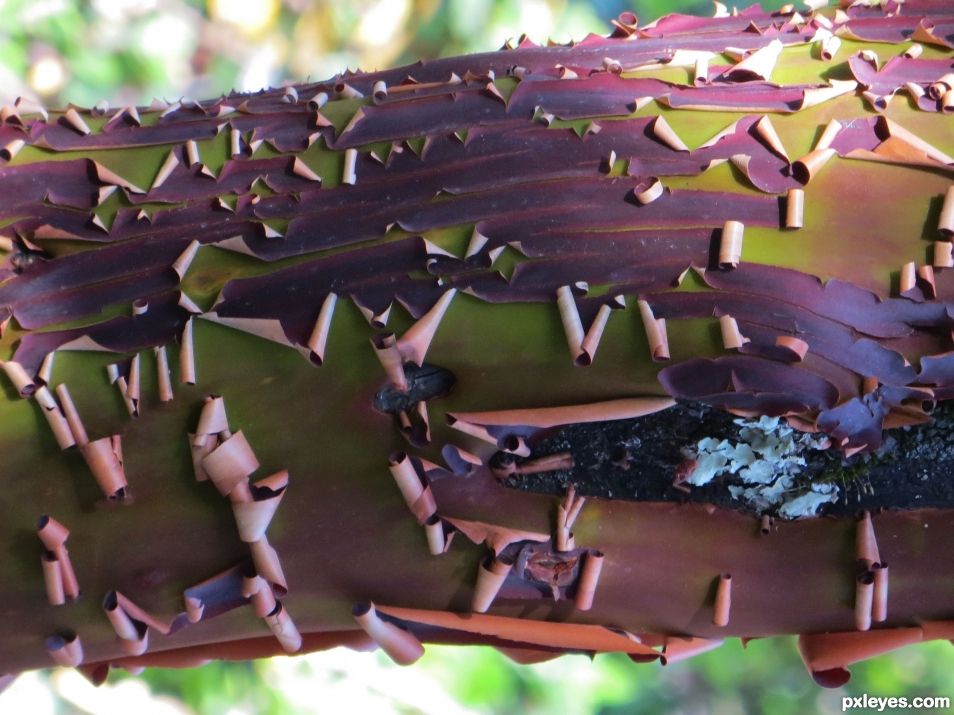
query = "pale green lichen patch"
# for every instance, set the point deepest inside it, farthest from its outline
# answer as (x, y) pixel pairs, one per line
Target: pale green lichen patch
(764, 466)
(807, 503)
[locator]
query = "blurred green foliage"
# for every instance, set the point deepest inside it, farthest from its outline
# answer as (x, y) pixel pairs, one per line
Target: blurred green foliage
(765, 677)
(129, 51)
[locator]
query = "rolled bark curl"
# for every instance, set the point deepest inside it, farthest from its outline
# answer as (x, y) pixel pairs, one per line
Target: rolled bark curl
(374, 280)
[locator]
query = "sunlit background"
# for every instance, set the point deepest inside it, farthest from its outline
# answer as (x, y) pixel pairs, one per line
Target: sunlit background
(133, 50)
(126, 51)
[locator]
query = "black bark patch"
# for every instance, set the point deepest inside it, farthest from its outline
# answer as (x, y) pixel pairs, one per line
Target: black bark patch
(637, 460)
(423, 383)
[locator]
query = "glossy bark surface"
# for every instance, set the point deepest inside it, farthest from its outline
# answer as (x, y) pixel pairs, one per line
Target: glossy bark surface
(480, 215)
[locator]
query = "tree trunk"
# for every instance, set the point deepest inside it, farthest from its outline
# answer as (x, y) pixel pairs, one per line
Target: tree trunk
(362, 292)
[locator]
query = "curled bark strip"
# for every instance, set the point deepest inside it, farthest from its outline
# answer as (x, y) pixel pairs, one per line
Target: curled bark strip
(945, 222)
(11, 149)
(389, 355)
(827, 655)
(45, 372)
(549, 463)
(490, 578)
(75, 121)
(200, 446)
(700, 73)
(318, 340)
(795, 208)
(866, 546)
(677, 648)
(163, 375)
(532, 195)
(105, 462)
(253, 517)
(165, 171)
(187, 355)
(437, 541)
(569, 636)
(572, 325)
(901, 146)
(663, 133)
(943, 255)
(231, 463)
(648, 191)
(53, 579)
(806, 168)
(111, 178)
(19, 377)
(348, 174)
(402, 647)
(135, 378)
(134, 647)
(563, 537)
(124, 626)
(758, 65)
(214, 596)
(829, 47)
(925, 281)
(414, 344)
(864, 596)
(212, 420)
(59, 424)
(879, 603)
(45, 398)
(51, 532)
(268, 565)
(417, 495)
(723, 601)
(192, 153)
(60, 579)
(796, 348)
(732, 338)
(140, 615)
(257, 590)
(496, 537)
(572, 506)
(594, 334)
(730, 244)
(65, 649)
(300, 168)
(284, 629)
(589, 578)
(184, 260)
(194, 608)
(460, 461)
(554, 416)
(655, 331)
(765, 131)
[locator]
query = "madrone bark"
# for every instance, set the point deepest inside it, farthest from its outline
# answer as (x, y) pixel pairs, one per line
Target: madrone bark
(277, 360)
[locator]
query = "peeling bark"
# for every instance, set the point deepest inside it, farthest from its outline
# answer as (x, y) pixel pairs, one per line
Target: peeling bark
(405, 257)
